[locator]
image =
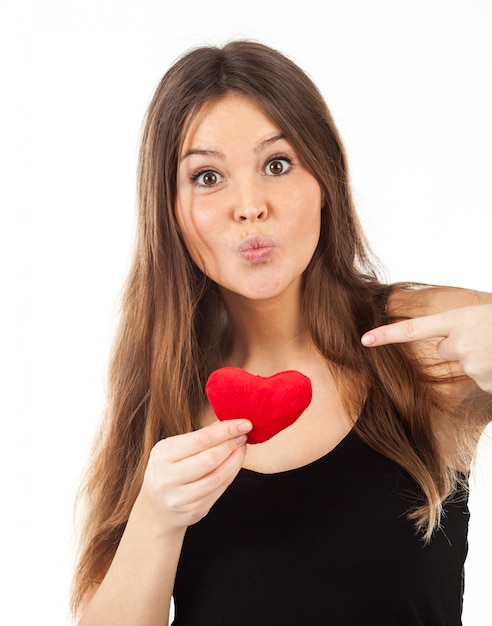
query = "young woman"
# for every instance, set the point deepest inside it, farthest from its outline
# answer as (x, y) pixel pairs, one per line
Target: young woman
(249, 254)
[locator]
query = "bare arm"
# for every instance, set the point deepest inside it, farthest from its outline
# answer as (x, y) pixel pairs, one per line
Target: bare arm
(185, 476)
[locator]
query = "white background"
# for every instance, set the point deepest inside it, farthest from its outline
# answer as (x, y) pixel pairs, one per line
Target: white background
(409, 84)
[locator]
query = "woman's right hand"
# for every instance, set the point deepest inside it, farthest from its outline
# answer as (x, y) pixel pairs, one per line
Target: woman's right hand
(186, 474)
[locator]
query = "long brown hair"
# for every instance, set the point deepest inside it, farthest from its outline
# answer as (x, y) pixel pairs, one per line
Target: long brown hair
(173, 327)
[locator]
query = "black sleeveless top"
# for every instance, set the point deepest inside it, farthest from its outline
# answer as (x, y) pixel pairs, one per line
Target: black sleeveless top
(326, 544)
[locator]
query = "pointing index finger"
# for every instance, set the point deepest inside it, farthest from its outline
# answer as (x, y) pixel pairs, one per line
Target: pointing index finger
(415, 329)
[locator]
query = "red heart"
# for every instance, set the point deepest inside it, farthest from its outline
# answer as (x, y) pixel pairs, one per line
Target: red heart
(271, 403)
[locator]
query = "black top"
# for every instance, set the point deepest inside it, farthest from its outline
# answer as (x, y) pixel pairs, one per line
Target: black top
(326, 544)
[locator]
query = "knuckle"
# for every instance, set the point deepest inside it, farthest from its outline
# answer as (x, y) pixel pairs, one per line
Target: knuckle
(209, 460)
(159, 448)
(203, 439)
(219, 480)
(464, 347)
(163, 449)
(157, 479)
(231, 428)
(472, 369)
(224, 474)
(159, 468)
(158, 456)
(410, 328)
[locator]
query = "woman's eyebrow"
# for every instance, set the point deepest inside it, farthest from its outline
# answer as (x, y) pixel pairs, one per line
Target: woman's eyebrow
(207, 153)
(217, 154)
(268, 142)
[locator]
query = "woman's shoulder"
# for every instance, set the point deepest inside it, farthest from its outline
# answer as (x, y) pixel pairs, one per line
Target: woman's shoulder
(409, 300)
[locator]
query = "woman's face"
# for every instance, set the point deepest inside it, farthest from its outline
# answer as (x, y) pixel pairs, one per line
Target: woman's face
(248, 210)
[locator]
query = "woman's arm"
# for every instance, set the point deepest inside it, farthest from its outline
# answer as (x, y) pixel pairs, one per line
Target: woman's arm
(185, 475)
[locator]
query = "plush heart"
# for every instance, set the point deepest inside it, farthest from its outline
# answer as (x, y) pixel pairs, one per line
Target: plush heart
(271, 403)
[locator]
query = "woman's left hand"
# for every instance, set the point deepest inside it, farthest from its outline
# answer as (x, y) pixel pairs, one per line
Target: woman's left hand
(464, 335)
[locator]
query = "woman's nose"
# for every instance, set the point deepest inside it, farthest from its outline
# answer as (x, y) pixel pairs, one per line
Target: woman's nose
(250, 213)
(250, 204)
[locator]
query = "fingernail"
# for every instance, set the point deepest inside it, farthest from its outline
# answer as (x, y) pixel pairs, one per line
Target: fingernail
(242, 439)
(368, 340)
(245, 427)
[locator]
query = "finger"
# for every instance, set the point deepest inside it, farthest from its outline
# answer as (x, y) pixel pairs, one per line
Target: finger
(416, 329)
(180, 447)
(206, 462)
(194, 500)
(213, 485)
(448, 351)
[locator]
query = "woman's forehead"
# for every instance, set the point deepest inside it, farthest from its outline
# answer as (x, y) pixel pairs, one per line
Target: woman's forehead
(232, 114)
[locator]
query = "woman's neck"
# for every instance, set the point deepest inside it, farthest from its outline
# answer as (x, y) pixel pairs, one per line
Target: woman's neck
(267, 335)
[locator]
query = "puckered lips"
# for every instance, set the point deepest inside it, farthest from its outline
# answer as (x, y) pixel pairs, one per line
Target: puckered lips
(256, 248)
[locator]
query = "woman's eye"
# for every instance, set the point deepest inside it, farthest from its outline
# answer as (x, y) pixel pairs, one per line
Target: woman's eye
(278, 166)
(207, 178)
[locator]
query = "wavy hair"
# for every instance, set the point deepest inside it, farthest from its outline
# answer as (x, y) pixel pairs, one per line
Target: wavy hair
(173, 327)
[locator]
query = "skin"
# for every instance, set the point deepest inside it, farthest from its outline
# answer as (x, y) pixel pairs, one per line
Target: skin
(238, 177)
(463, 335)
(186, 474)
(234, 182)
(184, 477)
